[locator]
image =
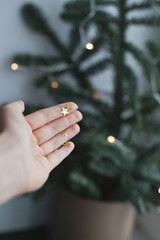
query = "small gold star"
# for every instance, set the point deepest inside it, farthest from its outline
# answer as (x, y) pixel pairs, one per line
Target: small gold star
(64, 111)
(68, 106)
(67, 144)
(64, 133)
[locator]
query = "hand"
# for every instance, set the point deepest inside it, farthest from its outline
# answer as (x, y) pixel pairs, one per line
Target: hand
(28, 146)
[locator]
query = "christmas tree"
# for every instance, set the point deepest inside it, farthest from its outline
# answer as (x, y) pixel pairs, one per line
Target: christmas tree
(118, 152)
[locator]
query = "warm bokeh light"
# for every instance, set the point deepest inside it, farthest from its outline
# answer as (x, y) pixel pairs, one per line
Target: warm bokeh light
(14, 66)
(95, 94)
(111, 139)
(54, 84)
(89, 46)
(159, 190)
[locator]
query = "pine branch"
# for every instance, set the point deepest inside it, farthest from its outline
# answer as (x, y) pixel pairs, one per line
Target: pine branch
(133, 103)
(153, 49)
(152, 126)
(107, 2)
(65, 93)
(116, 153)
(140, 205)
(149, 156)
(74, 18)
(139, 6)
(92, 120)
(140, 57)
(98, 66)
(130, 182)
(148, 21)
(145, 5)
(148, 105)
(153, 196)
(131, 79)
(74, 37)
(104, 168)
(91, 188)
(29, 60)
(78, 6)
(102, 17)
(151, 175)
(35, 19)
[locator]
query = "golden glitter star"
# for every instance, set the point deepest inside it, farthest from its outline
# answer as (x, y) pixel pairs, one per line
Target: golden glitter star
(64, 133)
(68, 106)
(64, 111)
(67, 144)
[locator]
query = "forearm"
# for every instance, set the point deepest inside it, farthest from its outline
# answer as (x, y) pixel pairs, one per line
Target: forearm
(10, 180)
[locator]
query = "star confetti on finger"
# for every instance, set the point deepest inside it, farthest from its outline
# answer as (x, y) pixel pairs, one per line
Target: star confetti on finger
(68, 106)
(67, 144)
(64, 111)
(64, 133)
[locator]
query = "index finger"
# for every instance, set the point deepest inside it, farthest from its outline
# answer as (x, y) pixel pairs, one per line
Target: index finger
(44, 116)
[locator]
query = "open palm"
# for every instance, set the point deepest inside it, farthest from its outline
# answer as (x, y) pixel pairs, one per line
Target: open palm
(40, 138)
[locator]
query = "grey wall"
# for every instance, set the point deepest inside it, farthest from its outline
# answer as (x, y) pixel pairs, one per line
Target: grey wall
(15, 37)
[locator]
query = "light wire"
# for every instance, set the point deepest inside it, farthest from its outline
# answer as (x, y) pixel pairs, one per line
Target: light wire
(85, 21)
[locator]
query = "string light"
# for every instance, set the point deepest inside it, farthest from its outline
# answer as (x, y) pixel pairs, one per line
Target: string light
(111, 139)
(89, 46)
(159, 190)
(54, 84)
(95, 94)
(85, 21)
(14, 66)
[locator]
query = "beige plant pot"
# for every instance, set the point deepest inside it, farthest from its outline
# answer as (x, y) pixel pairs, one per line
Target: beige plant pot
(80, 219)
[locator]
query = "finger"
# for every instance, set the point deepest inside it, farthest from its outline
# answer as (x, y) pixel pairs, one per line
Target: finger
(58, 156)
(44, 116)
(53, 144)
(18, 105)
(50, 130)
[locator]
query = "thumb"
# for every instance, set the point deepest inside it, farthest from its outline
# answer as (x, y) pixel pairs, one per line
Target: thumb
(11, 114)
(19, 105)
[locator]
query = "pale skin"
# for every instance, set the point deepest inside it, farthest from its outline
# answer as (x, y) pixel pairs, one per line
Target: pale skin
(32, 146)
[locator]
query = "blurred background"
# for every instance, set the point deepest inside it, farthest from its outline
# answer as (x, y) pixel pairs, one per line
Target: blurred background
(96, 54)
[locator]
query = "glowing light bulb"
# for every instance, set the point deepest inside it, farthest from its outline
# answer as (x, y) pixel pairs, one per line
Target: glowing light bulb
(89, 46)
(14, 66)
(159, 190)
(95, 94)
(54, 84)
(111, 139)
